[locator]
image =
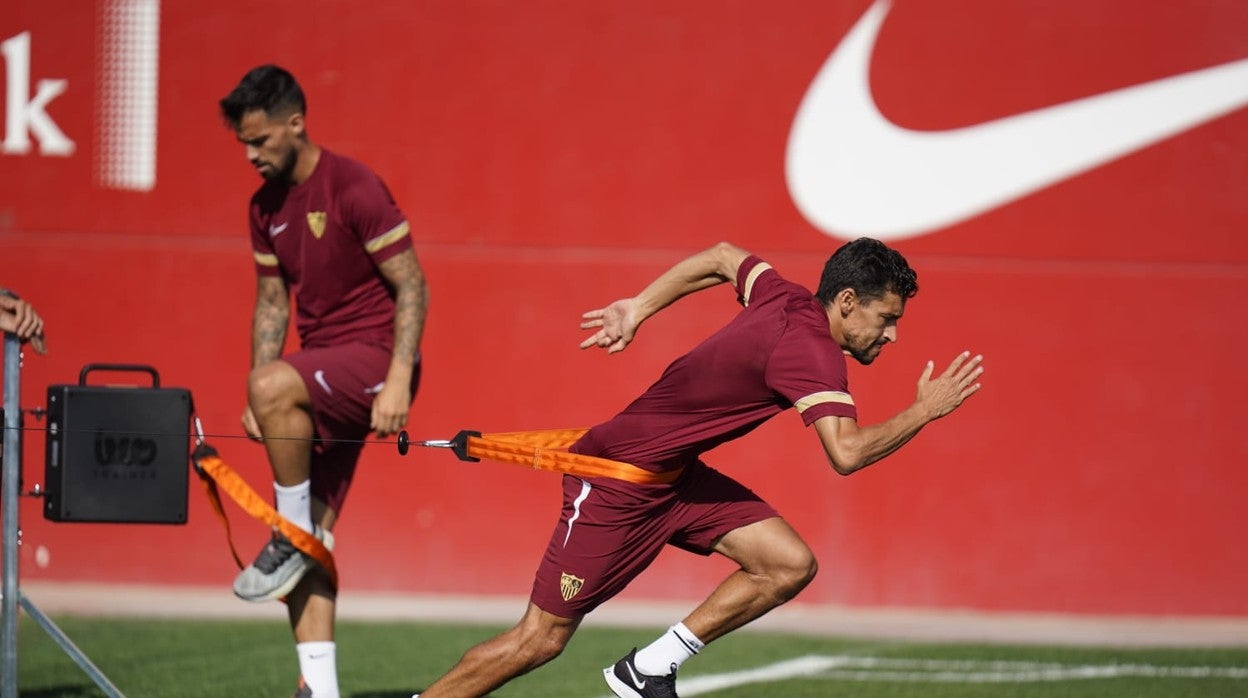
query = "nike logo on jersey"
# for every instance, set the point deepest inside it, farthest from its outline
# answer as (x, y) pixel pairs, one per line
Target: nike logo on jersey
(851, 171)
(275, 230)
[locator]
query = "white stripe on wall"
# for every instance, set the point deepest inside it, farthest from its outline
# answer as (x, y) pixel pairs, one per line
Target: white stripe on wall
(129, 40)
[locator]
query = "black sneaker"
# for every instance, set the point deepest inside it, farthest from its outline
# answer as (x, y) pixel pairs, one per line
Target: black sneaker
(277, 569)
(626, 682)
(303, 691)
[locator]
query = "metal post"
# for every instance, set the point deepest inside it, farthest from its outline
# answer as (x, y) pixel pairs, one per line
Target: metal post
(9, 489)
(71, 650)
(12, 483)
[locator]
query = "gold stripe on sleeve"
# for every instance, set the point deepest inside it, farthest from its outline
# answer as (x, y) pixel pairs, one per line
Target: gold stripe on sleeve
(751, 278)
(386, 238)
(266, 260)
(823, 397)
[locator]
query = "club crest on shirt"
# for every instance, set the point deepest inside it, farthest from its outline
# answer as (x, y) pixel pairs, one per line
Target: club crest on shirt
(316, 222)
(570, 585)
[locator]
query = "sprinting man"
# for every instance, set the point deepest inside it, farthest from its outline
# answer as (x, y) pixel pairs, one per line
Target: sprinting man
(325, 227)
(786, 349)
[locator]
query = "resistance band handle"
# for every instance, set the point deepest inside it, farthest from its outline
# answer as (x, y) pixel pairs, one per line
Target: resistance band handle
(133, 368)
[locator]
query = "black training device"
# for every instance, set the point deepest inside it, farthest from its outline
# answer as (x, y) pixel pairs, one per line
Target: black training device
(117, 453)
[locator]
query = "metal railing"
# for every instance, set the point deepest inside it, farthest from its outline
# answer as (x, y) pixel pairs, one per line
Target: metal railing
(10, 491)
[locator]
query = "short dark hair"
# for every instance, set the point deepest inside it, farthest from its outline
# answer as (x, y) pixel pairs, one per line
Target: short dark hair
(267, 88)
(869, 267)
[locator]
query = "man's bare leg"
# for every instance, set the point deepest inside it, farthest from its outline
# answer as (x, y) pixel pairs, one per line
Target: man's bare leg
(538, 638)
(282, 408)
(775, 563)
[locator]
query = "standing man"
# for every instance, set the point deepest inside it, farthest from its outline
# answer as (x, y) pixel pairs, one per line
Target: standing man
(786, 349)
(325, 227)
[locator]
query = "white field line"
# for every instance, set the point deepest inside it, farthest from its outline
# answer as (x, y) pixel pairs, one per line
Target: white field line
(884, 669)
(854, 668)
(789, 669)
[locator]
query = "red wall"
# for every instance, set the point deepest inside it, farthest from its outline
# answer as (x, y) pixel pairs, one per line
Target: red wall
(556, 155)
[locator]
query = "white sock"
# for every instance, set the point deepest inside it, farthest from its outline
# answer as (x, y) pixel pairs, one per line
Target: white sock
(319, 668)
(666, 654)
(295, 503)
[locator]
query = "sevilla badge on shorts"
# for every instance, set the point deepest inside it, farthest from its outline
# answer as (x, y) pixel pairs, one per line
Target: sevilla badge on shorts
(570, 585)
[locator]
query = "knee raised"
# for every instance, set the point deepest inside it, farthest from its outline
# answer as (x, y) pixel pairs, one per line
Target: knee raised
(271, 385)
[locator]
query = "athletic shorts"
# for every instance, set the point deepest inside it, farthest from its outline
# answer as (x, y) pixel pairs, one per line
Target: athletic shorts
(611, 530)
(342, 382)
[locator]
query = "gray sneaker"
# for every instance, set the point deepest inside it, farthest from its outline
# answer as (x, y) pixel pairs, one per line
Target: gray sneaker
(278, 568)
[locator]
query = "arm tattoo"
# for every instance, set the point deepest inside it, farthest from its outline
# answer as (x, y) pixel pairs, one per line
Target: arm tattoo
(268, 327)
(405, 276)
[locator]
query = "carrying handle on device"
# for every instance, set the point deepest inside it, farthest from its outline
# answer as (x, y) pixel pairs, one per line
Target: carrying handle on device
(135, 368)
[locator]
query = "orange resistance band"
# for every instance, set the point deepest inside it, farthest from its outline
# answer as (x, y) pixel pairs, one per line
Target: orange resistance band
(548, 450)
(214, 472)
(540, 450)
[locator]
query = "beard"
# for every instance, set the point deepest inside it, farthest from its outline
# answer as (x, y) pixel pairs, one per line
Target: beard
(863, 351)
(865, 357)
(282, 169)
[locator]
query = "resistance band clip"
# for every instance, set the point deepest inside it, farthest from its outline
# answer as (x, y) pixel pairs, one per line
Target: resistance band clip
(458, 445)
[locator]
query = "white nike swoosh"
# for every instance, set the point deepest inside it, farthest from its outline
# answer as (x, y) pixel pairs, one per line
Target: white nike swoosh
(319, 375)
(636, 681)
(275, 230)
(852, 172)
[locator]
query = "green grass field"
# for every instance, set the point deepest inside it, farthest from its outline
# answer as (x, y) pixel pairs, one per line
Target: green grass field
(217, 659)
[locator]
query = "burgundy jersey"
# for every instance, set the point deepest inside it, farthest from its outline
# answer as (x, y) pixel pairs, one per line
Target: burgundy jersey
(775, 354)
(325, 237)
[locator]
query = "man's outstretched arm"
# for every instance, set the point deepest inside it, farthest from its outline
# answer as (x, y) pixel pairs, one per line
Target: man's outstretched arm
(618, 322)
(851, 448)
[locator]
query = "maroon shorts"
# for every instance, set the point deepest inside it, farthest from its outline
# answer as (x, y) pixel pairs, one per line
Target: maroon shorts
(611, 530)
(342, 382)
